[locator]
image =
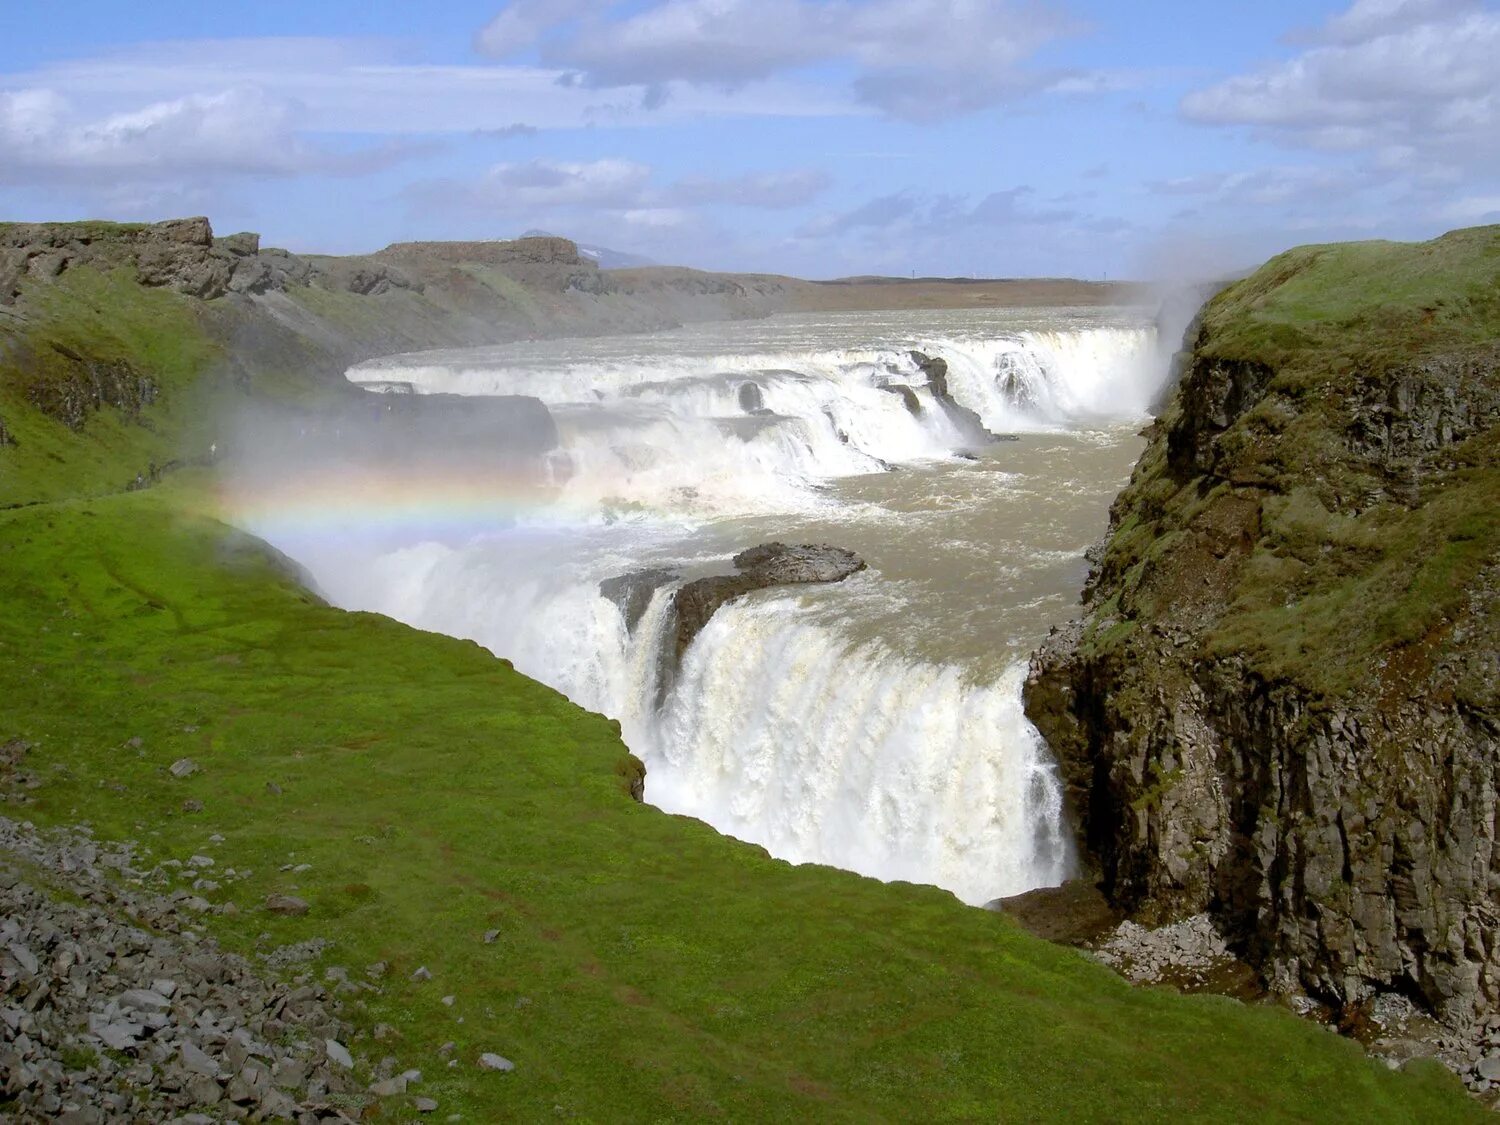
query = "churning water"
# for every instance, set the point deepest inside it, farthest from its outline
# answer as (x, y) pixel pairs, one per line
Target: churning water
(875, 724)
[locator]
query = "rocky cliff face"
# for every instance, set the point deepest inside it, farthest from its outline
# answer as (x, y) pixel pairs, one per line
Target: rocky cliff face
(1282, 703)
(179, 254)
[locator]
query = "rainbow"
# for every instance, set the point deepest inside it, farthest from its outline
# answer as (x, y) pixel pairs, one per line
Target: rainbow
(417, 503)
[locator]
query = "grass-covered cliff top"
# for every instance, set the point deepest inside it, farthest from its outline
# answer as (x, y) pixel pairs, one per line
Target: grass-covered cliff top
(1322, 490)
(1349, 299)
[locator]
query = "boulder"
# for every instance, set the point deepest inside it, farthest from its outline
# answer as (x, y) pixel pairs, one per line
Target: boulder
(1076, 913)
(969, 424)
(771, 564)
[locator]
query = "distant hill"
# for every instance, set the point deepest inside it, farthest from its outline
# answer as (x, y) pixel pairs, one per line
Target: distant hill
(606, 258)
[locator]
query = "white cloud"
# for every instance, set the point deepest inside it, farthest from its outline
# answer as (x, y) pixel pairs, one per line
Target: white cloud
(1368, 19)
(1408, 81)
(1266, 187)
(913, 59)
(907, 214)
(230, 132)
(658, 218)
(537, 184)
(524, 22)
(237, 132)
(363, 87)
(623, 187)
(755, 189)
(1473, 209)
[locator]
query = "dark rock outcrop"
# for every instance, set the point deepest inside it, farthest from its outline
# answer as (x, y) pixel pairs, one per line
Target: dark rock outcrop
(935, 368)
(633, 592)
(906, 394)
(1075, 913)
(1282, 704)
(771, 564)
(69, 386)
(179, 254)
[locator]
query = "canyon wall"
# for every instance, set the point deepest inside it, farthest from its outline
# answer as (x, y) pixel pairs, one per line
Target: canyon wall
(1281, 704)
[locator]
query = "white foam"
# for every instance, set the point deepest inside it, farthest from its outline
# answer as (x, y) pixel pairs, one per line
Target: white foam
(757, 432)
(783, 733)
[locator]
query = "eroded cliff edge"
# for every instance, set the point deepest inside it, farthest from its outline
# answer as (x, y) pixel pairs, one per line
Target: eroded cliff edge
(1281, 704)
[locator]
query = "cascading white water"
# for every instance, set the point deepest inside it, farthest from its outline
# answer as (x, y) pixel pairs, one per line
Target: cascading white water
(1055, 378)
(788, 722)
(778, 728)
(782, 732)
(728, 434)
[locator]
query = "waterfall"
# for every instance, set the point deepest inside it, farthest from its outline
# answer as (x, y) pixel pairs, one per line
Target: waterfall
(782, 725)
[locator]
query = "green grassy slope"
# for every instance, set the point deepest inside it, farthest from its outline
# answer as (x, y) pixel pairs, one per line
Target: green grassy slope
(1316, 306)
(646, 968)
(51, 348)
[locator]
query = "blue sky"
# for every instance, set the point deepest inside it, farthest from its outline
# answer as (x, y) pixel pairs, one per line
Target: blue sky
(817, 137)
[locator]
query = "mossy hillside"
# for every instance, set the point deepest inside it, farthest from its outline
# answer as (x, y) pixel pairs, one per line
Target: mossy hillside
(646, 968)
(1346, 558)
(203, 360)
(1314, 306)
(50, 346)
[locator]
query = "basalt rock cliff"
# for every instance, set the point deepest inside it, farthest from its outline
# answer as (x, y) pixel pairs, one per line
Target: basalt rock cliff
(1282, 702)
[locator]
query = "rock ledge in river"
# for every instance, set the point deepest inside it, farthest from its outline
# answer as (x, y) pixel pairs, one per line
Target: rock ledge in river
(771, 564)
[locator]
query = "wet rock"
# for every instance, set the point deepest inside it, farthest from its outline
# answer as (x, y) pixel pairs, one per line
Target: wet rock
(1074, 914)
(778, 563)
(633, 592)
(907, 395)
(968, 423)
(1330, 804)
(771, 564)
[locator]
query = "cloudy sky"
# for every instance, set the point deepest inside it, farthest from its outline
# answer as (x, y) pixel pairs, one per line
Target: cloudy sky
(817, 137)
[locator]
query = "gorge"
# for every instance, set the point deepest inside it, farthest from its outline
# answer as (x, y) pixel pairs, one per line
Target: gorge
(874, 725)
(1290, 623)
